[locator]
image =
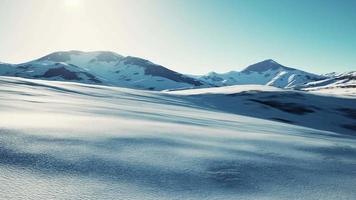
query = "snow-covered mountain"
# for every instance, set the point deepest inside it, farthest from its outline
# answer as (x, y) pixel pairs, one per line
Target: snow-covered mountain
(344, 83)
(101, 67)
(109, 68)
(267, 72)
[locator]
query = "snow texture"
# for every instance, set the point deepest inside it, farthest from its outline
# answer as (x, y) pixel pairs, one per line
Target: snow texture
(61, 140)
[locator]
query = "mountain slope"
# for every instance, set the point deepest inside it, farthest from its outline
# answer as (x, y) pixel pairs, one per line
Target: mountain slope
(267, 72)
(49, 71)
(322, 112)
(101, 67)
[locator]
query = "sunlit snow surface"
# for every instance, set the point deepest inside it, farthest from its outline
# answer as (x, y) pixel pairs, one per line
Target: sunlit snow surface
(75, 141)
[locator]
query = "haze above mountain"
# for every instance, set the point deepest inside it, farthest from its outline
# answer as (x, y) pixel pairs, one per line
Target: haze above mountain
(109, 68)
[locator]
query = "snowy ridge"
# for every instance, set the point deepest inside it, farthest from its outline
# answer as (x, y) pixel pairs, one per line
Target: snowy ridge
(342, 83)
(267, 72)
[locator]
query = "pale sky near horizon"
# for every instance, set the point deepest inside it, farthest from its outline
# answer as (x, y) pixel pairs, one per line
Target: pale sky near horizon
(189, 36)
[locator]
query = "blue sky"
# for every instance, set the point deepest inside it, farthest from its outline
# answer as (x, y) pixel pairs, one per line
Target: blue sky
(190, 36)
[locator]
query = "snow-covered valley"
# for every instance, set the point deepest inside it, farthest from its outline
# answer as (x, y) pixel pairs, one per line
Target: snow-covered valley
(61, 140)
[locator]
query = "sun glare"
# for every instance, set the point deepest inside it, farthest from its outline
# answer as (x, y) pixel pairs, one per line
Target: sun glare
(72, 3)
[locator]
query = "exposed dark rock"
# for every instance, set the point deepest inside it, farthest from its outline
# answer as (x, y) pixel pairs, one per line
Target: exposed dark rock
(158, 70)
(61, 72)
(91, 77)
(346, 77)
(349, 112)
(350, 127)
(24, 67)
(281, 95)
(282, 120)
(244, 93)
(214, 78)
(347, 86)
(286, 107)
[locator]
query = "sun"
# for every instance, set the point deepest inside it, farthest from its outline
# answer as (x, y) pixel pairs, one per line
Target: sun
(72, 3)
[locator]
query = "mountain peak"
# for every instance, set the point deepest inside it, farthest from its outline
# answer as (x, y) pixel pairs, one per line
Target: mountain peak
(265, 65)
(65, 56)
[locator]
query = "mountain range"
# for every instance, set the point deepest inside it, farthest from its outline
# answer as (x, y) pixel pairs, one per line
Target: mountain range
(109, 68)
(93, 140)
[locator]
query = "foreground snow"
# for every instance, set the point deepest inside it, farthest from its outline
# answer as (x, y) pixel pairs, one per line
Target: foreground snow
(74, 141)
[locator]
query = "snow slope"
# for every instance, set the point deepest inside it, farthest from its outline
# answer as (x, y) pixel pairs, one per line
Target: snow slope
(61, 140)
(323, 112)
(267, 72)
(101, 67)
